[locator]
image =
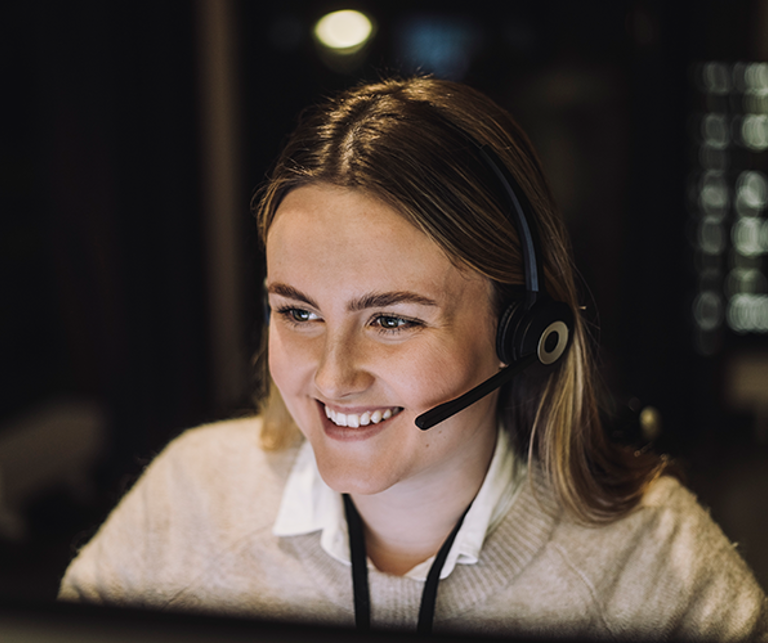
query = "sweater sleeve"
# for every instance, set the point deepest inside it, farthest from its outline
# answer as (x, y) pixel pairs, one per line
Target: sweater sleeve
(182, 512)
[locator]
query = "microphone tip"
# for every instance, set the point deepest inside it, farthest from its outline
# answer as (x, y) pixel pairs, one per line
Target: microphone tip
(423, 422)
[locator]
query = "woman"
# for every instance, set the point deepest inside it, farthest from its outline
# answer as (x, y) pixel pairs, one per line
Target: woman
(401, 227)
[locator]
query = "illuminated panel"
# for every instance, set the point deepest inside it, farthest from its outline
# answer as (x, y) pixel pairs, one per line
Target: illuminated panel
(729, 199)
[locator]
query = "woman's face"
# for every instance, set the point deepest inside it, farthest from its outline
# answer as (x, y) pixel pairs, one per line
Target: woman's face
(371, 326)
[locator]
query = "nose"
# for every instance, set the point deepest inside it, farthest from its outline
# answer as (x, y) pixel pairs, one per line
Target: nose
(341, 370)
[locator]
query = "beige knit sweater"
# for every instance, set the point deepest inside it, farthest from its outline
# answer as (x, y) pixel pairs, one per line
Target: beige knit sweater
(195, 533)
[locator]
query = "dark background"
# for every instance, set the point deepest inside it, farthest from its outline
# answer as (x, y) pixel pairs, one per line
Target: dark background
(110, 286)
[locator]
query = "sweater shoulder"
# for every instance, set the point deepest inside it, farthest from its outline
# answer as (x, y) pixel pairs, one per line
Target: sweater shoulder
(218, 473)
(669, 514)
(209, 489)
(223, 439)
(667, 493)
(667, 567)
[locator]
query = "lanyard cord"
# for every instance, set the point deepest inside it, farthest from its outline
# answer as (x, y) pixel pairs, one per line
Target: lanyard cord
(359, 565)
(360, 572)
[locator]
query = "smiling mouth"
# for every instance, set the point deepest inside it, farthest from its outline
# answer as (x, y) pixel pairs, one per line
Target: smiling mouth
(355, 420)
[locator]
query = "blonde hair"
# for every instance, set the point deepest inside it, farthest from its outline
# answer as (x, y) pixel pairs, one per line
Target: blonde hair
(404, 142)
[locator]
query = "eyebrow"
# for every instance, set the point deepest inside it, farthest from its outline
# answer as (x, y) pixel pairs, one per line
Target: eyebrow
(289, 292)
(382, 300)
(372, 300)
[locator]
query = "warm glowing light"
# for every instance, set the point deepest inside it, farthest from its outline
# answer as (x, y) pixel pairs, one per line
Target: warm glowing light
(344, 31)
(650, 423)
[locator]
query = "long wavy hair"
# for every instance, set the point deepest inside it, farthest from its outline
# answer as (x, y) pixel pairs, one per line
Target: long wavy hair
(402, 141)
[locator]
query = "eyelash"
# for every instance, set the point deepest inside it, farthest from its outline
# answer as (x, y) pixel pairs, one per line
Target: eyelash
(290, 313)
(403, 324)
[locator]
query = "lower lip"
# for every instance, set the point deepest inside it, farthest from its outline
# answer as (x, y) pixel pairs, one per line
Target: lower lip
(350, 434)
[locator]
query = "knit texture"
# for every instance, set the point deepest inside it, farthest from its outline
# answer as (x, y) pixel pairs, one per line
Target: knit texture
(195, 533)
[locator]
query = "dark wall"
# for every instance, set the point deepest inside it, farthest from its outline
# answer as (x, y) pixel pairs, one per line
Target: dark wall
(101, 222)
(100, 245)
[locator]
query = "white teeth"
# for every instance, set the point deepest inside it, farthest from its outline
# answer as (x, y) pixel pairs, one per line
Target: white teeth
(354, 421)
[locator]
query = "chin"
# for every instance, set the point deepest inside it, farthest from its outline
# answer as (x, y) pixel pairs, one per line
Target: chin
(353, 478)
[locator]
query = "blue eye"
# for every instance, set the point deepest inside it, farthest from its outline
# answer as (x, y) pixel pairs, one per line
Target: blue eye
(393, 324)
(296, 315)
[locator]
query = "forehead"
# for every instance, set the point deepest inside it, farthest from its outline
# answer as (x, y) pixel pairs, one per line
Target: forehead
(347, 237)
(325, 206)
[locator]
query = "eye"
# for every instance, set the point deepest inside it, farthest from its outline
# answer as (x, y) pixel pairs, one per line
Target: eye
(390, 323)
(296, 315)
(394, 324)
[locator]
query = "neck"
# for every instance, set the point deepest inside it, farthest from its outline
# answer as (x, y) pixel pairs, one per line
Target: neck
(406, 524)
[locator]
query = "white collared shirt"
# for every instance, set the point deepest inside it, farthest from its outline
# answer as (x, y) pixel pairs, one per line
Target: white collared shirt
(309, 505)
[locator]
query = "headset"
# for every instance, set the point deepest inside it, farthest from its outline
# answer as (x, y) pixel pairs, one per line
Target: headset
(533, 329)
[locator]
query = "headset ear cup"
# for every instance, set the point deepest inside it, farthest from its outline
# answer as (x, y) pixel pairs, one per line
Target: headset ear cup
(505, 334)
(545, 329)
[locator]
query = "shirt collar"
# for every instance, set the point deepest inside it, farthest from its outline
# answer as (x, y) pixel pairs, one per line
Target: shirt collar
(309, 505)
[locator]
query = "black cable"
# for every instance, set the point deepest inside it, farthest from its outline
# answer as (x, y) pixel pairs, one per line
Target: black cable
(359, 565)
(428, 419)
(360, 572)
(429, 595)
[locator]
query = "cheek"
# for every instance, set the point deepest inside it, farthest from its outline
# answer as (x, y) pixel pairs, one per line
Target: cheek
(283, 366)
(440, 373)
(285, 370)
